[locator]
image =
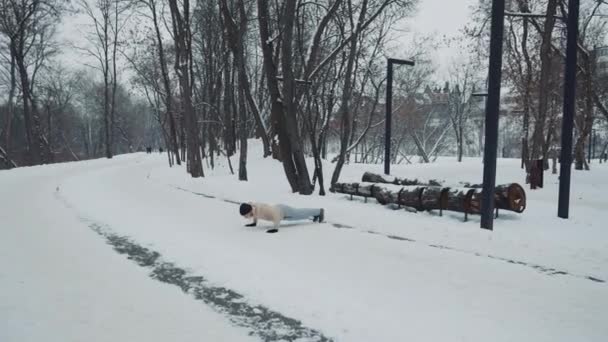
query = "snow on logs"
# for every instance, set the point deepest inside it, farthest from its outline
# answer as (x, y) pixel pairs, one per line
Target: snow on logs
(376, 178)
(421, 196)
(510, 197)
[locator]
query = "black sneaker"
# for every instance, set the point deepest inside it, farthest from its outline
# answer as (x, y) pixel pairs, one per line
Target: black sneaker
(321, 216)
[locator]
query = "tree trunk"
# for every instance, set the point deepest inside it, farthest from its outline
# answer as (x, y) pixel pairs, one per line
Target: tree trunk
(538, 136)
(289, 96)
(114, 79)
(276, 109)
(182, 38)
(229, 133)
(106, 89)
(173, 134)
(525, 148)
(242, 136)
(460, 140)
(30, 114)
(584, 119)
(480, 137)
(420, 148)
(314, 145)
(318, 169)
(49, 123)
(345, 110)
(182, 137)
(166, 83)
(6, 160)
(236, 39)
(10, 108)
(66, 144)
(324, 145)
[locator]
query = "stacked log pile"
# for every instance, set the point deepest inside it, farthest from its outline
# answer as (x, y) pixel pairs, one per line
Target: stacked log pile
(426, 196)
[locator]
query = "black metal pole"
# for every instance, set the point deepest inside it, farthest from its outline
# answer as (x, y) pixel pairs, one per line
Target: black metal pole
(569, 107)
(389, 117)
(389, 109)
(492, 111)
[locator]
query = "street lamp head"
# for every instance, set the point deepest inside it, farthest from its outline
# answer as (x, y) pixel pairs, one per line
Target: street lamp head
(479, 94)
(401, 61)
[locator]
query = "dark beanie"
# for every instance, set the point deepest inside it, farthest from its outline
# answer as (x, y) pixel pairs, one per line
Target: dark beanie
(245, 208)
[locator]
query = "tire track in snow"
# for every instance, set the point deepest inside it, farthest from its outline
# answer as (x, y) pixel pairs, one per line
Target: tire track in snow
(540, 268)
(262, 322)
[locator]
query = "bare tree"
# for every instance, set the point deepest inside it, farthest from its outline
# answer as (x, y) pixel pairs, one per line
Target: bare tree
(29, 26)
(10, 108)
(463, 80)
(235, 35)
(182, 37)
(592, 33)
(546, 68)
(345, 109)
(108, 21)
(282, 105)
(522, 69)
(156, 15)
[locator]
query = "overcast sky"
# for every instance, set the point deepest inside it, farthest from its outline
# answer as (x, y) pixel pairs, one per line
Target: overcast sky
(440, 18)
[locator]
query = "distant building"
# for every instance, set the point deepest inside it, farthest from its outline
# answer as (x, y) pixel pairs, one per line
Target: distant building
(601, 61)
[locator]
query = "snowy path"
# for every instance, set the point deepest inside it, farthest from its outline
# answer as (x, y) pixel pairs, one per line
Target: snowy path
(261, 322)
(60, 282)
(540, 268)
(344, 284)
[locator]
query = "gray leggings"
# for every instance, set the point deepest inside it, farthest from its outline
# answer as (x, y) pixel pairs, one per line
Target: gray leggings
(296, 214)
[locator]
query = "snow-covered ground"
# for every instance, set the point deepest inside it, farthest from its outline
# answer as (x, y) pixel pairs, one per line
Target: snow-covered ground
(59, 281)
(393, 276)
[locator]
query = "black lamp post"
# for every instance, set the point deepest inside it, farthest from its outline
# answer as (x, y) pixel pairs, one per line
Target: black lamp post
(492, 111)
(563, 206)
(389, 110)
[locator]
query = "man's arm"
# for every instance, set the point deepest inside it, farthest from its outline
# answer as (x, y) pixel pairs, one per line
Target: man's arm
(277, 216)
(254, 213)
(275, 229)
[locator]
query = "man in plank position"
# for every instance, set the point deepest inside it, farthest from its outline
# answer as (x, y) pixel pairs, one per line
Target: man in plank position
(276, 213)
